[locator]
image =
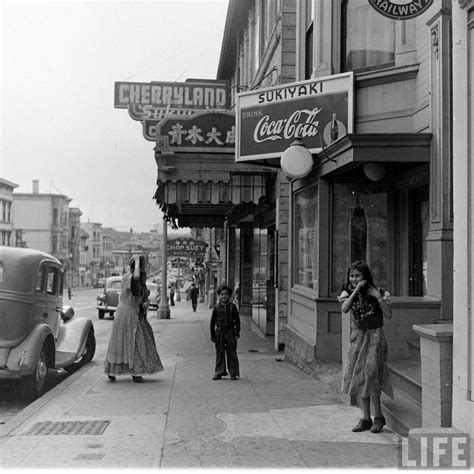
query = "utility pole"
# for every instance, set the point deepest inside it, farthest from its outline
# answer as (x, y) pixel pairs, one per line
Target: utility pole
(164, 309)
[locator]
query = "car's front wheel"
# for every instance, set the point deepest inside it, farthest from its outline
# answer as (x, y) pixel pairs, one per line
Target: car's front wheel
(101, 314)
(33, 385)
(87, 354)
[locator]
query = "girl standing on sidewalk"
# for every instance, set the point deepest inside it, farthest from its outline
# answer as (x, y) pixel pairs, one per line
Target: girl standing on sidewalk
(365, 374)
(132, 348)
(225, 330)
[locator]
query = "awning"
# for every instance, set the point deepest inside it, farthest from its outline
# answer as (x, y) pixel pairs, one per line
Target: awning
(393, 149)
(201, 190)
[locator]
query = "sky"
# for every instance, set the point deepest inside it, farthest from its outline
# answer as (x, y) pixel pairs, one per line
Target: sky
(60, 60)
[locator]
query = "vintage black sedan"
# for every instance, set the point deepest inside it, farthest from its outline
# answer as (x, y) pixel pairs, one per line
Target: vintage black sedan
(36, 332)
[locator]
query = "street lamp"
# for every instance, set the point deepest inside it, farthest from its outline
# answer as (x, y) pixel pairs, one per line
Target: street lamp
(296, 161)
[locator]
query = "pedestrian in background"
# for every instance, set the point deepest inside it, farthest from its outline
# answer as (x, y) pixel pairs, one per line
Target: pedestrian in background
(194, 295)
(225, 330)
(172, 288)
(132, 348)
(188, 294)
(366, 374)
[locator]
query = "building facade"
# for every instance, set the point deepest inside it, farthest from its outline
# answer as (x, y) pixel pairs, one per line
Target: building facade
(43, 221)
(73, 272)
(7, 233)
(463, 182)
(93, 248)
(258, 51)
(379, 188)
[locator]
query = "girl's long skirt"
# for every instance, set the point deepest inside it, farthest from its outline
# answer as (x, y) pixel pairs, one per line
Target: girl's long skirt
(366, 372)
(132, 348)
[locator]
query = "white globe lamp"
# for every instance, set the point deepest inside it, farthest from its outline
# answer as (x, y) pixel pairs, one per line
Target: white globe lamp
(296, 161)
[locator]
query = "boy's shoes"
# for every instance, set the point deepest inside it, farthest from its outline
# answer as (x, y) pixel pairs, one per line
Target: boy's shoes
(217, 377)
(362, 425)
(378, 425)
(233, 377)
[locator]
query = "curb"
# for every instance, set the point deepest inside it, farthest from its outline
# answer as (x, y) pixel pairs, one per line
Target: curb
(24, 415)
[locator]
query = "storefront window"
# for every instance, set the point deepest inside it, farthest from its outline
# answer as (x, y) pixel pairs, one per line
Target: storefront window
(359, 232)
(306, 262)
(369, 38)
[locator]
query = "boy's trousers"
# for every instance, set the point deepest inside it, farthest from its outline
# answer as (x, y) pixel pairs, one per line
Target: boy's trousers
(226, 344)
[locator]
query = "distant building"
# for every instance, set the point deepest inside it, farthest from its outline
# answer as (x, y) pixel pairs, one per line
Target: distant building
(94, 247)
(7, 236)
(74, 246)
(43, 220)
(84, 269)
(107, 263)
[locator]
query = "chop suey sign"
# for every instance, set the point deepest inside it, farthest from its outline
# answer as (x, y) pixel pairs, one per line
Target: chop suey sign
(186, 248)
(319, 111)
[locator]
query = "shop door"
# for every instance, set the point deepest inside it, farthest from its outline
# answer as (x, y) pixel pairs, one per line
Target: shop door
(418, 232)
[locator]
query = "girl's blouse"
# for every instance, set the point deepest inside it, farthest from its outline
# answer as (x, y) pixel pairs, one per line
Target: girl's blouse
(366, 312)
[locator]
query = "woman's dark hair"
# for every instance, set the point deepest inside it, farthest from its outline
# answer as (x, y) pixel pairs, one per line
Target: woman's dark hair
(362, 267)
(224, 287)
(142, 264)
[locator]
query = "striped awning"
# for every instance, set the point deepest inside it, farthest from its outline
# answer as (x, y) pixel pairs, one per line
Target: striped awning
(202, 191)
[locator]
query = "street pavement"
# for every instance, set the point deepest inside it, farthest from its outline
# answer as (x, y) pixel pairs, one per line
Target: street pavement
(274, 416)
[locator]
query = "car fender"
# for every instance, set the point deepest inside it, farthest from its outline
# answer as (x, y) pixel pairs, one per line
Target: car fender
(23, 357)
(72, 335)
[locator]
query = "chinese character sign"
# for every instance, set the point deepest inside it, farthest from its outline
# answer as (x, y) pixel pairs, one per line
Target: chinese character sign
(205, 131)
(186, 248)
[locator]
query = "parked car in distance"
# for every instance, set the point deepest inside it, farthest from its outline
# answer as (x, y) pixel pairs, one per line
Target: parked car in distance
(154, 296)
(36, 332)
(99, 283)
(107, 301)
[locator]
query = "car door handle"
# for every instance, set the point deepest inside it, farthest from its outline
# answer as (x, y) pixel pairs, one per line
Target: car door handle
(45, 315)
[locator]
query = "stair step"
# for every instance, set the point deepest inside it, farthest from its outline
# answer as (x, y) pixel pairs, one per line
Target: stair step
(406, 376)
(402, 413)
(414, 348)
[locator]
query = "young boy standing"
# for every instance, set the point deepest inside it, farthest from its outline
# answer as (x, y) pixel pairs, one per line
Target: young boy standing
(225, 330)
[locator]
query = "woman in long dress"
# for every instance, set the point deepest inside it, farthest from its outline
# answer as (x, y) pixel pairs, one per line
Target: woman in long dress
(132, 348)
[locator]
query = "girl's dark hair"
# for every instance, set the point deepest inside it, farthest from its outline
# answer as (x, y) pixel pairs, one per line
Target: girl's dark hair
(362, 267)
(224, 287)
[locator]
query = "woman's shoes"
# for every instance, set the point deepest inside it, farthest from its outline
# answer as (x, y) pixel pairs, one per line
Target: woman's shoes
(138, 378)
(112, 378)
(363, 425)
(379, 422)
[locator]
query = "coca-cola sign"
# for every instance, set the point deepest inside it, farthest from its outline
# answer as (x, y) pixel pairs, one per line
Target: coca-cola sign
(317, 111)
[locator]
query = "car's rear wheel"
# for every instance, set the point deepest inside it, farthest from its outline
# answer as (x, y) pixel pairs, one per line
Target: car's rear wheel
(33, 385)
(101, 314)
(87, 355)
(112, 313)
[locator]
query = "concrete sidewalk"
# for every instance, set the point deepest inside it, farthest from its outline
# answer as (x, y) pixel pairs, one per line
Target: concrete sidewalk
(274, 416)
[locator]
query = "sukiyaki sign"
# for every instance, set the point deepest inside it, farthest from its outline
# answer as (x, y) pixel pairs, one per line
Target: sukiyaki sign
(268, 120)
(186, 248)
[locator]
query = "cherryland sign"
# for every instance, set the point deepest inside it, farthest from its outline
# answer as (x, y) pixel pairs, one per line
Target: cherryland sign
(150, 102)
(268, 120)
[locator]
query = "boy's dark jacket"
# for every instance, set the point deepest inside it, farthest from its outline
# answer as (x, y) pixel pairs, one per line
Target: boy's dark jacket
(225, 316)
